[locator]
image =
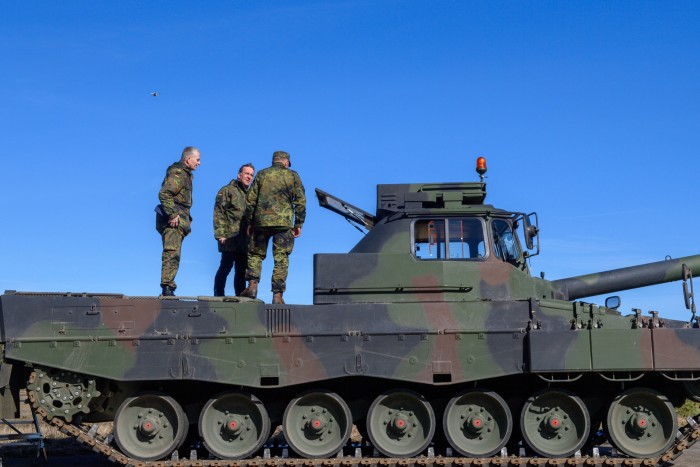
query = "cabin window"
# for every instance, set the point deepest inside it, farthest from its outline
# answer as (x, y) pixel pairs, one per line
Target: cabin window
(466, 238)
(458, 238)
(429, 238)
(504, 245)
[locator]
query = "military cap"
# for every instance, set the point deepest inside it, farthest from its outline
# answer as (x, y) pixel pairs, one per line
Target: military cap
(282, 155)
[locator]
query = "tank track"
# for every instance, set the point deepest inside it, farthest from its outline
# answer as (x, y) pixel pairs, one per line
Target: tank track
(686, 437)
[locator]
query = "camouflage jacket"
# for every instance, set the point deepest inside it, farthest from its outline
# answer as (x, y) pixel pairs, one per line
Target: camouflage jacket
(229, 221)
(176, 191)
(276, 198)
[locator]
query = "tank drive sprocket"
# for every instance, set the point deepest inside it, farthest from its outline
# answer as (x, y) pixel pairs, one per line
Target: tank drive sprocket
(61, 393)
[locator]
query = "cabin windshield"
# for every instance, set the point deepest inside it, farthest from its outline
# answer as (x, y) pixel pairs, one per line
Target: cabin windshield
(453, 238)
(504, 244)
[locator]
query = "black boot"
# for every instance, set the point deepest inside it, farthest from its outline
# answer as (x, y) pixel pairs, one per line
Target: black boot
(168, 291)
(219, 293)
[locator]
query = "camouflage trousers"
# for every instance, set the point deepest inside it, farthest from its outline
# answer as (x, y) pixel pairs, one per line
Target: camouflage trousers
(282, 245)
(172, 244)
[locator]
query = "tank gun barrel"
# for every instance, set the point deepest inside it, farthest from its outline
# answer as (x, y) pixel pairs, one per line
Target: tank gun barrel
(627, 278)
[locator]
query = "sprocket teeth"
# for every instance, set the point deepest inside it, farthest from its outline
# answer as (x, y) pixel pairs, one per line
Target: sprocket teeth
(61, 393)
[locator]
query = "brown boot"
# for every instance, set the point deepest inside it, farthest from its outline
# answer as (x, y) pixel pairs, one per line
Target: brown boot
(277, 298)
(252, 290)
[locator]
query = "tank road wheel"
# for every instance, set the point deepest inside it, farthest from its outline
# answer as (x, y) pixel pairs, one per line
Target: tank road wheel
(317, 424)
(555, 423)
(149, 426)
(400, 423)
(477, 423)
(234, 425)
(641, 423)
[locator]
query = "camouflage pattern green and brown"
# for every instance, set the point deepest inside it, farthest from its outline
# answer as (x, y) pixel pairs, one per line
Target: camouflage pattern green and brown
(175, 196)
(430, 336)
(276, 198)
(172, 238)
(176, 191)
(282, 246)
(229, 216)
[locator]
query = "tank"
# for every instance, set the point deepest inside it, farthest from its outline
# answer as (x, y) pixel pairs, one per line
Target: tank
(429, 338)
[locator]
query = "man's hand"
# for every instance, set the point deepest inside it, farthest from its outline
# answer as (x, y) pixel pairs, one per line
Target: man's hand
(175, 221)
(222, 240)
(249, 230)
(297, 232)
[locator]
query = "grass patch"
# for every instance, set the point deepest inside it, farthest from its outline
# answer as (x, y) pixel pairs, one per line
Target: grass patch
(688, 409)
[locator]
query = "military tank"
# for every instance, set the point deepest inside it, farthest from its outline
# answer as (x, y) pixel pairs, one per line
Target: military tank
(430, 336)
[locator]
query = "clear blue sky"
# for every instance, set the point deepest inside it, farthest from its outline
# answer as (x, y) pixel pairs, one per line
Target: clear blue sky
(587, 111)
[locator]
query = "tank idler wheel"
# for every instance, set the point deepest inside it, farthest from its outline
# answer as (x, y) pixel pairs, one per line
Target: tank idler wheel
(641, 422)
(400, 423)
(555, 423)
(234, 425)
(317, 424)
(477, 423)
(149, 426)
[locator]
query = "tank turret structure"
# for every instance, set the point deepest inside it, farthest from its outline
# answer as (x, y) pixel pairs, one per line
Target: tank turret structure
(430, 337)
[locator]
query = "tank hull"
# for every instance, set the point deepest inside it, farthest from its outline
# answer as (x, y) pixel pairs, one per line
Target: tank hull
(255, 345)
(109, 348)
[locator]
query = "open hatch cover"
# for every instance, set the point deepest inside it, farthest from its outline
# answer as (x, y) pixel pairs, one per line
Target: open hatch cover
(347, 210)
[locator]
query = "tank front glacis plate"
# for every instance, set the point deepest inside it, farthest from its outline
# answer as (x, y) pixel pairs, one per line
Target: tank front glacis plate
(678, 349)
(583, 337)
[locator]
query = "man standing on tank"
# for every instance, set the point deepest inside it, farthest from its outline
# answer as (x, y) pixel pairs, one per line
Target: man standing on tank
(230, 230)
(277, 210)
(173, 214)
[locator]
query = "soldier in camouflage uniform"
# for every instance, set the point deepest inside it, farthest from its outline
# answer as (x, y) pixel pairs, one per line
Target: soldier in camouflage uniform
(277, 210)
(230, 230)
(173, 214)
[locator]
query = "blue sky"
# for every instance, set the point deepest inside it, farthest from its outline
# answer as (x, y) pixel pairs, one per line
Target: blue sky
(588, 112)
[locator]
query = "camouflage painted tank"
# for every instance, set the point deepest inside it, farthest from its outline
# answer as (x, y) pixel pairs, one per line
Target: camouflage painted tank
(429, 333)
